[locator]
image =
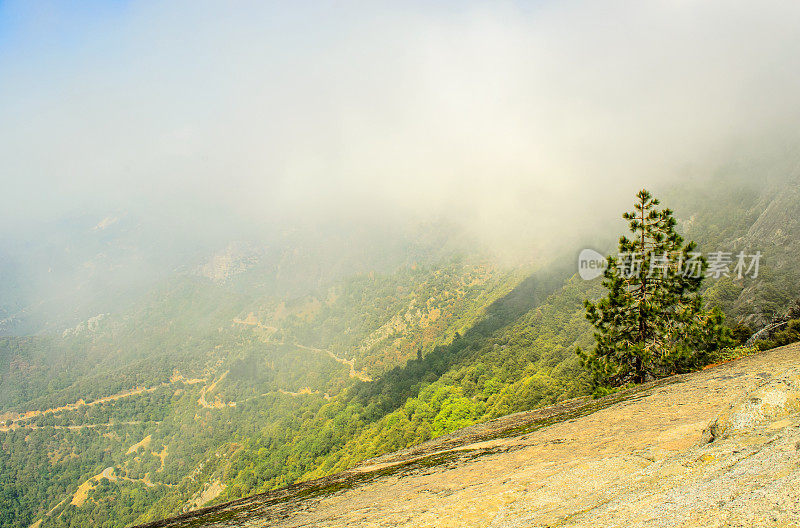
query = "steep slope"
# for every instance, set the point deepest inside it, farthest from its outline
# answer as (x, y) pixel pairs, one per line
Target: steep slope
(712, 448)
(245, 383)
(199, 369)
(759, 216)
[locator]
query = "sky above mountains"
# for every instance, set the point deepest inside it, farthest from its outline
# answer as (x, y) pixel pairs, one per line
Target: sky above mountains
(504, 116)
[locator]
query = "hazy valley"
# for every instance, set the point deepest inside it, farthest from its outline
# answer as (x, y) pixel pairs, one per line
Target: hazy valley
(244, 372)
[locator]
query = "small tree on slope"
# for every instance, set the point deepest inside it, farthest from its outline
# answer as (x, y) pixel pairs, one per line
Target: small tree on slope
(652, 323)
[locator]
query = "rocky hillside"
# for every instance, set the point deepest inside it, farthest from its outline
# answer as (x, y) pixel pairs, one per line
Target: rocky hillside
(712, 448)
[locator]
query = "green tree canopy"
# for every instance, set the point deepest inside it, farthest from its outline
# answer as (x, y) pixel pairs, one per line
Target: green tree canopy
(652, 323)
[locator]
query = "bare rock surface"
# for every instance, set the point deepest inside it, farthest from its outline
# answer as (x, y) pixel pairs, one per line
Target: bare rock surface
(710, 449)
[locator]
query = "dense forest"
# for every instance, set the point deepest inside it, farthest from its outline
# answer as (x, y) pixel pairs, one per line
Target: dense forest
(215, 385)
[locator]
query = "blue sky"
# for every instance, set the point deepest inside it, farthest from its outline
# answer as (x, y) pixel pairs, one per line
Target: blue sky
(37, 25)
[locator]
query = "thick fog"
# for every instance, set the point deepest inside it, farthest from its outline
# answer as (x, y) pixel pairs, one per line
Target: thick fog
(507, 115)
(521, 122)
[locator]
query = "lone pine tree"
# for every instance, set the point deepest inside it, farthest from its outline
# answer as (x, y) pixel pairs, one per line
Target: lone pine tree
(652, 323)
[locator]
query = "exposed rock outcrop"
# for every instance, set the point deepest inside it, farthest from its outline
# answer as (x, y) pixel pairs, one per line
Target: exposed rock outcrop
(715, 448)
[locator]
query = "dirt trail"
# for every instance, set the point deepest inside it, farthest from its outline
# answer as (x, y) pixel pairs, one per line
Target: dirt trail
(253, 322)
(218, 404)
(304, 391)
(349, 362)
(80, 403)
(16, 417)
(5, 429)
